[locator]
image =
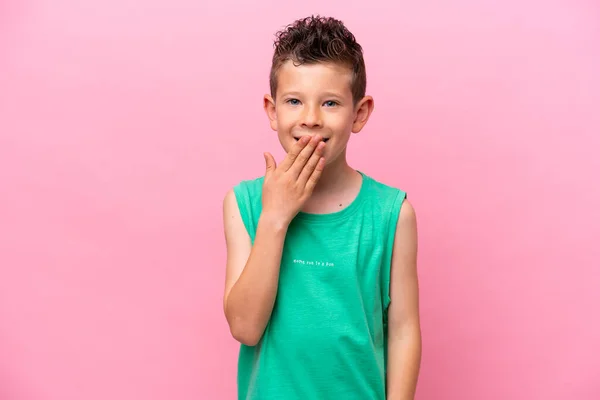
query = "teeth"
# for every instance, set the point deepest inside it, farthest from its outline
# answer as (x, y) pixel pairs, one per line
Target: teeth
(326, 139)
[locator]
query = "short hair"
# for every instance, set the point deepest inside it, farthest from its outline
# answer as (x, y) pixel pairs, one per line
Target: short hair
(317, 39)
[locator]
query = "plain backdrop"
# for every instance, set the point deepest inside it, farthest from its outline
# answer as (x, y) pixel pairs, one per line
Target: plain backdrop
(123, 123)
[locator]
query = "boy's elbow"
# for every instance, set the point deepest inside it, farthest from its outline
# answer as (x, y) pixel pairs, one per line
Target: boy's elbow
(244, 331)
(248, 337)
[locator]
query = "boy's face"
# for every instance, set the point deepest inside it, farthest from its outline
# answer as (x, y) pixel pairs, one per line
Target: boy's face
(316, 99)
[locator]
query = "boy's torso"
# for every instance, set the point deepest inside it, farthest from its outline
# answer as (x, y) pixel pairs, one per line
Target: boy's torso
(327, 333)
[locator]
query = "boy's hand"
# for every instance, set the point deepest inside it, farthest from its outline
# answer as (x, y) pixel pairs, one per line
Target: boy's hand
(287, 187)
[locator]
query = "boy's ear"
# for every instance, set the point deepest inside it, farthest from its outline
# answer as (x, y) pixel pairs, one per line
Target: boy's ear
(362, 112)
(269, 105)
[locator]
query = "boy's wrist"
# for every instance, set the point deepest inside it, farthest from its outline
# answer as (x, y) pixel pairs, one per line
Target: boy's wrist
(273, 222)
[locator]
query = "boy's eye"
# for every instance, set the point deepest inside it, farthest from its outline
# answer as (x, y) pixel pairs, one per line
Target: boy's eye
(330, 103)
(294, 101)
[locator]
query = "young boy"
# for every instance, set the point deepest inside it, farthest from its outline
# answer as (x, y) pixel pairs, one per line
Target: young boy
(321, 279)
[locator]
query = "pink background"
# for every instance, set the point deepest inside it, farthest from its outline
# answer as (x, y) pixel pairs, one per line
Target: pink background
(123, 123)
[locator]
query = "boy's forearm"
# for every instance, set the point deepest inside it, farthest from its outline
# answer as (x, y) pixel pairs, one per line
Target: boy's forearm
(250, 302)
(404, 360)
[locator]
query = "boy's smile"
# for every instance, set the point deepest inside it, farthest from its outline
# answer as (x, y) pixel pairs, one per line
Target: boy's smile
(316, 99)
(324, 139)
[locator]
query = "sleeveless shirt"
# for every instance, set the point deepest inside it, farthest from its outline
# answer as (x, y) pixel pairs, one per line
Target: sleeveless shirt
(327, 335)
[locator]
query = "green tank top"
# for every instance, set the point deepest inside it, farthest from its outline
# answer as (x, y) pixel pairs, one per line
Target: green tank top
(327, 336)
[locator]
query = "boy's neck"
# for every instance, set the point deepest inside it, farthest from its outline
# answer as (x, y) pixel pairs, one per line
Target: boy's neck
(338, 186)
(334, 178)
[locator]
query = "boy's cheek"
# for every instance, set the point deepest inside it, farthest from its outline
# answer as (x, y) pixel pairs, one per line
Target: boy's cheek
(286, 141)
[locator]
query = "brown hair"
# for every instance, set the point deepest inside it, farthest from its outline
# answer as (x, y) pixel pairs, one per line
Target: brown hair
(318, 39)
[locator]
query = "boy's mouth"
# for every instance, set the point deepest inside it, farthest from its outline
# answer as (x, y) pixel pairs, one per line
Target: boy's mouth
(324, 139)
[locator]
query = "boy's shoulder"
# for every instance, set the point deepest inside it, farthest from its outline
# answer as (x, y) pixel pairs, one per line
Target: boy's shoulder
(383, 189)
(396, 199)
(251, 187)
(389, 199)
(248, 193)
(252, 180)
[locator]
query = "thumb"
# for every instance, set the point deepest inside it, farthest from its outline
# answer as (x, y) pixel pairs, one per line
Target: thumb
(270, 163)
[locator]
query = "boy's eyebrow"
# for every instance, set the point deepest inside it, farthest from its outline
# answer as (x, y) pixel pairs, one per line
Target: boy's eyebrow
(325, 94)
(290, 94)
(332, 94)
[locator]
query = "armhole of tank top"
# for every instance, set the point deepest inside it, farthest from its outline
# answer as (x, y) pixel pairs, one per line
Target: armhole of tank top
(243, 201)
(392, 224)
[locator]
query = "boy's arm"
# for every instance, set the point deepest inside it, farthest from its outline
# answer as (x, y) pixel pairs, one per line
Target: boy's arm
(404, 331)
(252, 272)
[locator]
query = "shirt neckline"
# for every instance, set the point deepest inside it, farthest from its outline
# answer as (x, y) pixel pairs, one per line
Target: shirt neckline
(343, 213)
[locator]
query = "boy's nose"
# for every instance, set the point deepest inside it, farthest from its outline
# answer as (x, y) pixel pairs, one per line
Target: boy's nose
(311, 117)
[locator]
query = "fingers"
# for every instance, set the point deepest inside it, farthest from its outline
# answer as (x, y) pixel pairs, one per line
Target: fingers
(302, 158)
(270, 164)
(314, 177)
(311, 164)
(294, 152)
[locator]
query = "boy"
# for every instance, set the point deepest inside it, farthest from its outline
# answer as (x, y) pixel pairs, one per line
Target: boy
(321, 280)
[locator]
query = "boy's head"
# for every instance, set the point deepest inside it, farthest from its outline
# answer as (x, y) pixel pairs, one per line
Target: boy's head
(318, 83)
(314, 40)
